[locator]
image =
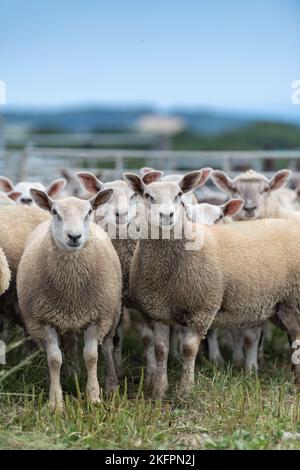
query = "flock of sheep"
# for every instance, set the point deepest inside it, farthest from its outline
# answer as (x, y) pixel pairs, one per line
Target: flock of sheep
(83, 255)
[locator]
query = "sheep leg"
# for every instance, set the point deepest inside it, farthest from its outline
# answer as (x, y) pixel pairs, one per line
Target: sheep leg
(190, 348)
(265, 335)
(111, 379)
(118, 346)
(70, 348)
(90, 355)
(214, 353)
(54, 358)
(148, 340)
(176, 342)
(238, 357)
(161, 338)
(290, 319)
(251, 340)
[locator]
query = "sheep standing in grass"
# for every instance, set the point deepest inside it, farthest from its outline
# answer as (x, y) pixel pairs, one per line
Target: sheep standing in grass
(210, 214)
(17, 223)
(264, 198)
(120, 219)
(241, 275)
(69, 279)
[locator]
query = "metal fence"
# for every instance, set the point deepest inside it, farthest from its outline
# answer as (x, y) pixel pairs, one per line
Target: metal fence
(45, 163)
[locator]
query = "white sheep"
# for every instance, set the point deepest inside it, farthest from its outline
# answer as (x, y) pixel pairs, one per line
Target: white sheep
(188, 198)
(264, 198)
(225, 275)
(69, 279)
(20, 192)
(120, 219)
(261, 195)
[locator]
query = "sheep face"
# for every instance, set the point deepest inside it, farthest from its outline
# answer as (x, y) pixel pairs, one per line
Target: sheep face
(162, 199)
(122, 206)
(24, 189)
(210, 214)
(253, 188)
(71, 217)
(20, 193)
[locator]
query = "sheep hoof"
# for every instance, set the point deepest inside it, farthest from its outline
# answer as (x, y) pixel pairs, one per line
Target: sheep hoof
(238, 363)
(56, 406)
(111, 386)
(186, 385)
(251, 368)
(93, 395)
(159, 390)
(217, 360)
(150, 379)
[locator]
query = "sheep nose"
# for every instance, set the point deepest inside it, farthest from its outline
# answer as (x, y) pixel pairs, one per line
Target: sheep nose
(74, 238)
(26, 200)
(121, 214)
(169, 216)
(250, 209)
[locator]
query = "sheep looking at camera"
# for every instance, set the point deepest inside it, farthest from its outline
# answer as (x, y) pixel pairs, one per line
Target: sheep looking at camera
(20, 192)
(242, 275)
(262, 196)
(75, 284)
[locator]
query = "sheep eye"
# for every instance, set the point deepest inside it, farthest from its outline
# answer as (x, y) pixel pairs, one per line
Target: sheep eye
(147, 196)
(54, 212)
(179, 195)
(88, 214)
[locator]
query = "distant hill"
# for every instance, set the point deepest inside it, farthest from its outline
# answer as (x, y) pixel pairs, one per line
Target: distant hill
(78, 120)
(107, 119)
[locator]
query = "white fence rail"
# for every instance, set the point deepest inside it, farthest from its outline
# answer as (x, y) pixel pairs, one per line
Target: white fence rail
(45, 163)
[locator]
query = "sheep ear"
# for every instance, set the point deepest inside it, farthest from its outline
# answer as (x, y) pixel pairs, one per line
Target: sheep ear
(190, 181)
(232, 207)
(190, 210)
(145, 170)
(205, 175)
(98, 174)
(56, 186)
(152, 176)
(279, 179)
(222, 181)
(89, 182)
(102, 197)
(66, 174)
(134, 182)
(13, 195)
(6, 184)
(41, 199)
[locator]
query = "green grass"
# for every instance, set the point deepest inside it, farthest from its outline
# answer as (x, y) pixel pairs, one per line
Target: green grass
(227, 409)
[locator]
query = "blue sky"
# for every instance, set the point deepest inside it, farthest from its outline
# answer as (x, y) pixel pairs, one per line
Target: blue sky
(227, 54)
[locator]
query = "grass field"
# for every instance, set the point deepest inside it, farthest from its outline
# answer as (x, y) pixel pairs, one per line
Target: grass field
(228, 408)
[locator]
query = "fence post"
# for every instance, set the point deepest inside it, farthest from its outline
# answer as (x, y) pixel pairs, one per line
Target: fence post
(24, 157)
(119, 164)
